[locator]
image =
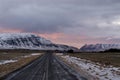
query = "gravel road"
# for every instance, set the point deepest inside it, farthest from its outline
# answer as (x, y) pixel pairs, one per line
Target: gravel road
(47, 67)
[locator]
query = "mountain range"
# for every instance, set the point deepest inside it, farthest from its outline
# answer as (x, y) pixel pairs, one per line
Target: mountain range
(35, 42)
(29, 41)
(98, 47)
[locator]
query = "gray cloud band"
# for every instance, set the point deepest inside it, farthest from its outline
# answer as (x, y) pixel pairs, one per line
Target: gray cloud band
(92, 17)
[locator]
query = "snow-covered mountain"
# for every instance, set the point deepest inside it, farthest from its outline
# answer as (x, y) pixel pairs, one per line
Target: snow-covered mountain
(29, 41)
(99, 47)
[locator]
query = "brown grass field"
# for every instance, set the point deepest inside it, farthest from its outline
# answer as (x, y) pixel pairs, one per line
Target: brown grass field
(22, 61)
(102, 58)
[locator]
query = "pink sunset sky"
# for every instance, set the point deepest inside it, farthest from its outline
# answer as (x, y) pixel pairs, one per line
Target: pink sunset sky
(71, 22)
(62, 38)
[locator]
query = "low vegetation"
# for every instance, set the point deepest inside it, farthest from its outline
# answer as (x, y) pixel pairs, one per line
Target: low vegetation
(103, 58)
(23, 59)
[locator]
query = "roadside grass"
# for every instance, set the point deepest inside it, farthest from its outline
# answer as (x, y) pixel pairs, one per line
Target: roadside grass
(8, 56)
(102, 58)
(22, 61)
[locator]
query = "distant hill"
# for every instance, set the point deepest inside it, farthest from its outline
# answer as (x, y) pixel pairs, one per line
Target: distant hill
(112, 50)
(29, 41)
(99, 47)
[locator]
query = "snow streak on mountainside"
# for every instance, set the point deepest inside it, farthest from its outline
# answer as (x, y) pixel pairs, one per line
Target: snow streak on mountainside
(99, 47)
(28, 41)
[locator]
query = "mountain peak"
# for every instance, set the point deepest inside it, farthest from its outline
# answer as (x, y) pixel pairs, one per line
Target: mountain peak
(99, 47)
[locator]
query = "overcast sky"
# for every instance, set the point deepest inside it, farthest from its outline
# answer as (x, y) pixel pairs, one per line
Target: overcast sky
(72, 22)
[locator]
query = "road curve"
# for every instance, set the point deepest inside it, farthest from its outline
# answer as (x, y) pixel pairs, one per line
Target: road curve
(47, 67)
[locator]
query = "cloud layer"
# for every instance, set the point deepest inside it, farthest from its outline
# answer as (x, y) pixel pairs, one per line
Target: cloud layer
(93, 19)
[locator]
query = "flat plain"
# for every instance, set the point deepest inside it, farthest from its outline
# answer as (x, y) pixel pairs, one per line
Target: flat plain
(110, 58)
(21, 59)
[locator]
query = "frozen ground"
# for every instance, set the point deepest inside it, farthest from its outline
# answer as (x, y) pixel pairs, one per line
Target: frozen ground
(33, 54)
(17, 58)
(7, 61)
(47, 67)
(95, 69)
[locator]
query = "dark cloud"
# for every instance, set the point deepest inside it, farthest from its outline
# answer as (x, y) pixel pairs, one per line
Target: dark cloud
(87, 17)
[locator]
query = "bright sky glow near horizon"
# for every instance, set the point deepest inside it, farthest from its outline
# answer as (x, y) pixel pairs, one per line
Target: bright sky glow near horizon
(71, 22)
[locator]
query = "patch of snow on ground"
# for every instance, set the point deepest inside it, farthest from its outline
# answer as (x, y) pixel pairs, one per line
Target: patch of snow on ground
(34, 54)
(59, 54)
(7, 61)
(102, 72)
(12, 61)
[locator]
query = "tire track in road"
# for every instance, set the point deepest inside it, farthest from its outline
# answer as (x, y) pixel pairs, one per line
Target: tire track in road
(48, 67)
(69, 73)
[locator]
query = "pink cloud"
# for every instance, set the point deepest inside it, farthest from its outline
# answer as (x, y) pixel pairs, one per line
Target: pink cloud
(74, 40)
(52, 36)
(6, 30)
(61, 38)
